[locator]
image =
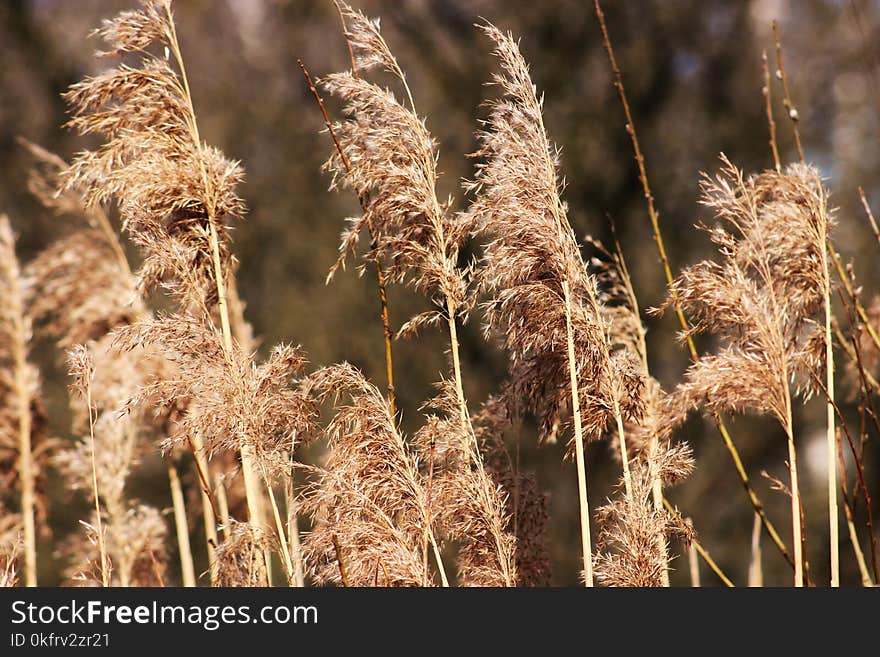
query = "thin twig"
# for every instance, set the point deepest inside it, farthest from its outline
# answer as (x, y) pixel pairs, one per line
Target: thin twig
(786, 96)
(769, 107)
(363, 201)
(869, 214)
(869, 401)
(850, 524)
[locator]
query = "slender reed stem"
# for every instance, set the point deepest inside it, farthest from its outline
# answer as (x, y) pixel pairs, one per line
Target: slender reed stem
(222, 507)
(693, 561)
(456, 368)
(664, 259)
(796, 527)
(25, 450)
(833, 513)
(279, 527)
(756, 567)
(209, 513)
(624, 457)
(293, 534)
(436, 550)
(388, 335)
(657, 496)
(188, 572)
(472, 447)
(102, 548)
(579, 445)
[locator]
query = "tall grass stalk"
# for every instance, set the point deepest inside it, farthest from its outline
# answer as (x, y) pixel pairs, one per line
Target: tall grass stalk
(583, 500)
(187, 570)
(84, 370)
(255, 510)
(830, 439)
(15, 331)
(756, 565)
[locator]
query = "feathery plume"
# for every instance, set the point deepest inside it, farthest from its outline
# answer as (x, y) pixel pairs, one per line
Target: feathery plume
(230, 401)
(240, 558)
(393, 166)
(369, 505)
(634, 531)
(543, 300)
(762, 299)
(532, 255)
(80, 291)
(471, 507)
(174, 193)
(226, 402)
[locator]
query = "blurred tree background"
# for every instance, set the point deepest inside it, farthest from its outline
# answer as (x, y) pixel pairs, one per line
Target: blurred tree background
(693, 74)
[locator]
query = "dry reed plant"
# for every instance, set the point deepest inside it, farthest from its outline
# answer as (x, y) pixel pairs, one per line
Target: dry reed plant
(19, 387)
(392, 166)
(650, 435)
(87, 273)
(389, 158)
(471, 507)
(526, 503)
(543, 301)
(763, 300)
(632, 540)
(372, 521)
(363, 200)
(232, 403)
(175, 194)
(133, 535)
